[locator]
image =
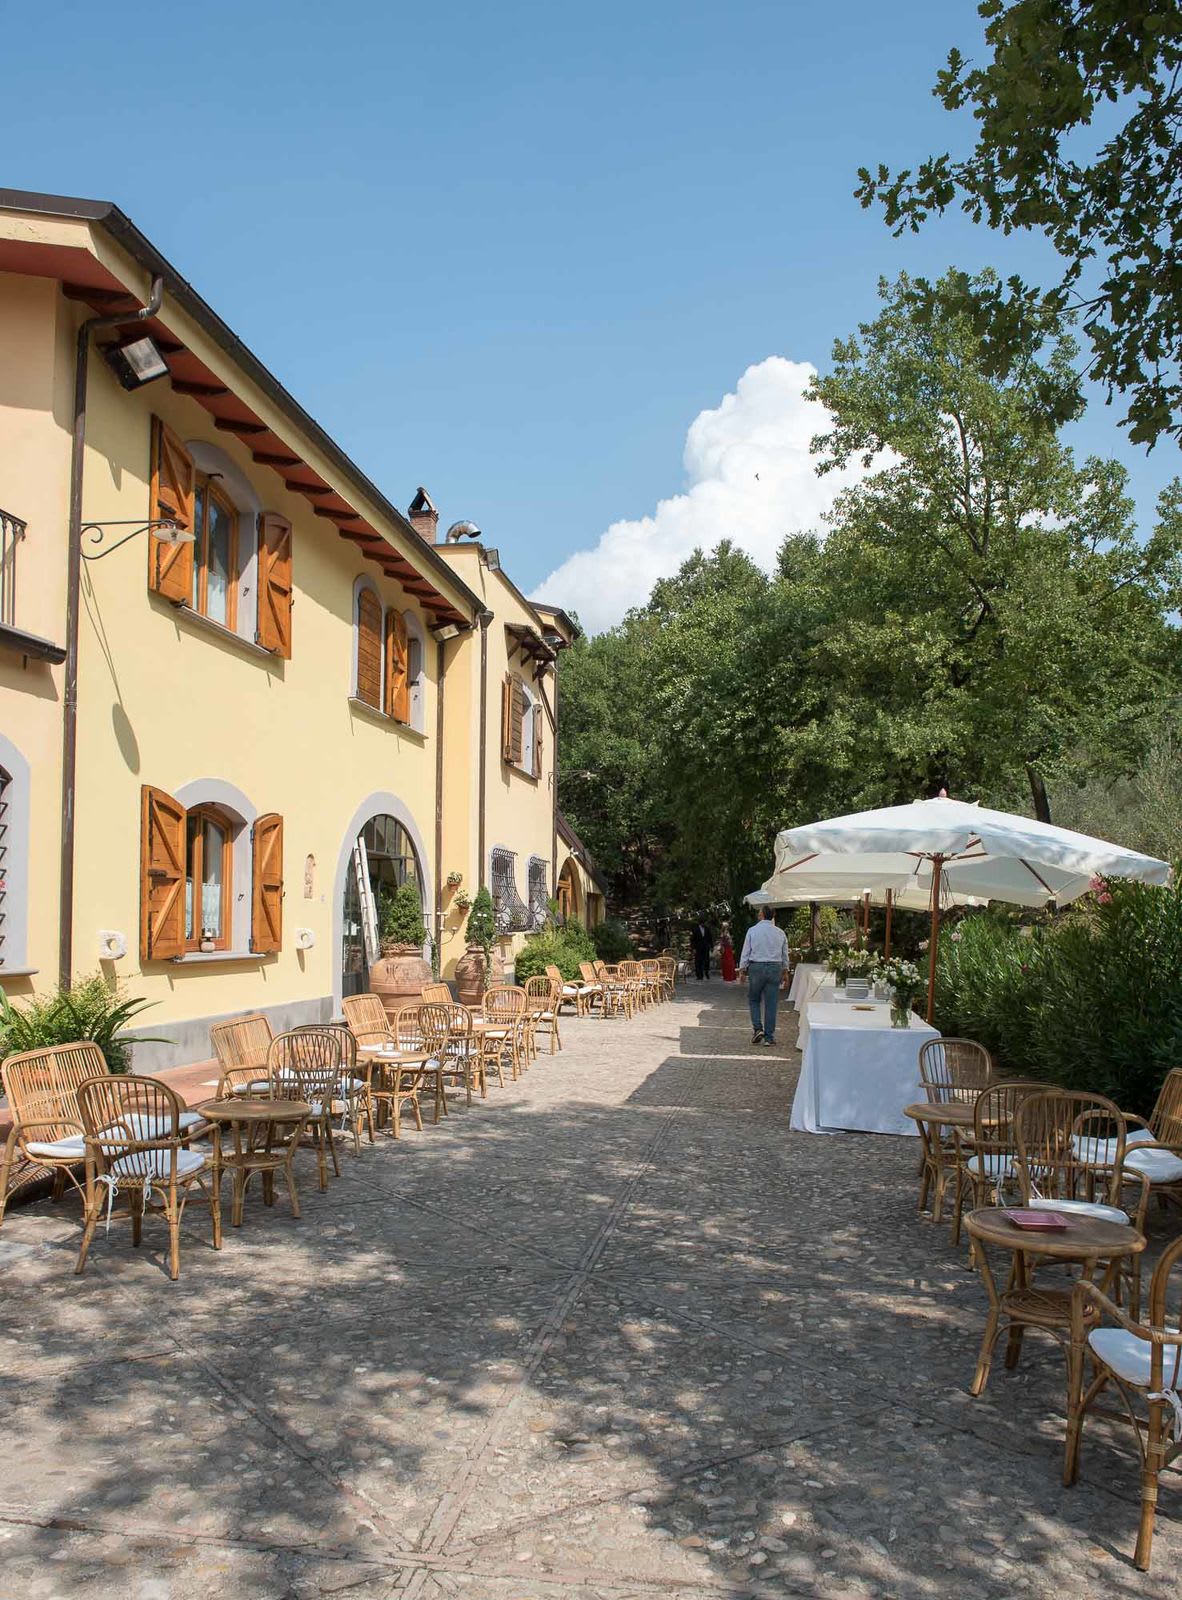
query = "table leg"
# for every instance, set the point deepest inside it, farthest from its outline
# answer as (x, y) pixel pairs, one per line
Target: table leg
(992, 1324)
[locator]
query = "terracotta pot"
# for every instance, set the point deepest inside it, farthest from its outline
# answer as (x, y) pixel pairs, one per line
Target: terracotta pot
(469, 975)
(398, 978)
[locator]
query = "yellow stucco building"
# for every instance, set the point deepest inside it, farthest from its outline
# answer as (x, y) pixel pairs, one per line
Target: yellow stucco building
(241, 693)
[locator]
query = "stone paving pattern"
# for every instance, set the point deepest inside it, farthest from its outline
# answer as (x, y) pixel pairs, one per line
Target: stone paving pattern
(613, 1333)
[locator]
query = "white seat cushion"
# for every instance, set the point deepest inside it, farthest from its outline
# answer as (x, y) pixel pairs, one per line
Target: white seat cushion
(137, 1126)
(1128, 1357)
(1159, 1166)
(1081, 1208)
(994, 1166)
(589, 988)
(73, 1147)
(157, 1164)
(571, 988)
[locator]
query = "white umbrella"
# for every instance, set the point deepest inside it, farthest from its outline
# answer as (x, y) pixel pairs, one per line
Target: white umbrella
(854, 880)
(947, 845)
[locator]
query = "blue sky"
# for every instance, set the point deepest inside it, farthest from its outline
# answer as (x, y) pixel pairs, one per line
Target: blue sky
(512, 252)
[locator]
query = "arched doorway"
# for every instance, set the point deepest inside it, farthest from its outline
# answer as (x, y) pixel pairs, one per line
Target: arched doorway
(382, 856)
(566, 892)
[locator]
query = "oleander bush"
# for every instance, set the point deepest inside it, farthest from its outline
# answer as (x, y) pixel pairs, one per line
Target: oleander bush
(563, 948)
(1090, 999)
(90, 1008)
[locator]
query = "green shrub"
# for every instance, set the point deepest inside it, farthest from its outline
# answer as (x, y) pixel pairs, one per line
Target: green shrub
(89, 1009)
(481, 931)
(401, 916)
(1090, 1001)
(800, 925)
(563, 948)
(612, 940)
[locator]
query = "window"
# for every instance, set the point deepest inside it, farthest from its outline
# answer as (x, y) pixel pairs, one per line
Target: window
(5, 793)
(215, 555)
(539, 900)
(512, 914)
(190, 858)
(237, 572)
(383, 860)
(15, 794)
(387, 658)
(208, 879)
(521, 726)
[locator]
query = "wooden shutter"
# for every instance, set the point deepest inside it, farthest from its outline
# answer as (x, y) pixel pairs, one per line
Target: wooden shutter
(369, 648)
(170, 566)
(512, 711)
(538, 720)
(397, 681)
(274, 624)
(162, 875)
(266, 910)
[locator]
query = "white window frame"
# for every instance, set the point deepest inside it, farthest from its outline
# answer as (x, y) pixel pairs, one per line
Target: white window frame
(14, 953)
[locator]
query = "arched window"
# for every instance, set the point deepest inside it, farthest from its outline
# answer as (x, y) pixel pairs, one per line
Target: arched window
(529, 731)
(209, 875)
(416, 683)
(226, 508)
(388, 658)
(383, 858)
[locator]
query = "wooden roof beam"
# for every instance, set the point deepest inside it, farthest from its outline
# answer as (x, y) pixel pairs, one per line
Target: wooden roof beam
(232, 425)
(198, 390)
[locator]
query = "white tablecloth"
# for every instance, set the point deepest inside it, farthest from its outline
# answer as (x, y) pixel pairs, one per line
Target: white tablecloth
(858, 1072)
(805, 978)
(826, 993)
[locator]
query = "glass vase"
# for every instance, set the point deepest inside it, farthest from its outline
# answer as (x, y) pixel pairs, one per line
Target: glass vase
(900, 1015)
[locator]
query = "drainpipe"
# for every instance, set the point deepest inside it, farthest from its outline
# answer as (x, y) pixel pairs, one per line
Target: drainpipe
(554, 794)
(65, 962)
(484, 619)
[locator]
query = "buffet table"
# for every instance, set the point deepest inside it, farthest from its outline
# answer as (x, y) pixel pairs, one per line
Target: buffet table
(858, 1072)
(806, 976)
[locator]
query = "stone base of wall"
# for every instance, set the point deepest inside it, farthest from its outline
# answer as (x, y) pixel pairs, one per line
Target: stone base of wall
(189, 1041)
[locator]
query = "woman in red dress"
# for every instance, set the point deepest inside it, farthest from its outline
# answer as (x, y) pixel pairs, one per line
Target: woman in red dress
(727, 956)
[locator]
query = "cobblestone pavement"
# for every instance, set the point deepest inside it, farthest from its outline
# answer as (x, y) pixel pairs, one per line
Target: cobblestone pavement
(613, 1333)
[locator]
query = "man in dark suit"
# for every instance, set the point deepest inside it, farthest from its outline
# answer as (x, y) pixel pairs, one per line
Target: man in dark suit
(701, 944)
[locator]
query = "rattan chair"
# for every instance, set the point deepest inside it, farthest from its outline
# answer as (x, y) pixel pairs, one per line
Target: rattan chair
(242, 1046)
(619, 992)
(308, 1064)
(569, 993)
(135, 1145)
(668, 967)
(392, 1086)
(952, 1072)
(354, 1093)
(987, 1157)
(463, 1059)
(542, 997)
(46, 1134)
(1154, 1147)
(1143, 1362)
(504, 1004)
(590, 990)
(435, 994)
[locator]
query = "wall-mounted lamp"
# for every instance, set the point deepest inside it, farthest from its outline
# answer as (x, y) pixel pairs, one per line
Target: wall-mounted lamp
(136, 362)
(167, 531)
(450, 630)
(492, 559)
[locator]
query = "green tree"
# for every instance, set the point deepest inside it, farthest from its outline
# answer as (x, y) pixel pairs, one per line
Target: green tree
(993, 612)
(1076, 113)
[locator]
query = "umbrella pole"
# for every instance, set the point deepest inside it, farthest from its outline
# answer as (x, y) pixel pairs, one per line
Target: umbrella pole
(937, 871)
(886, 947)
(813, 922)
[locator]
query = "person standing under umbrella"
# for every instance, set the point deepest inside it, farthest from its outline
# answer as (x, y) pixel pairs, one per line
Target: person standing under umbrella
(763, 966)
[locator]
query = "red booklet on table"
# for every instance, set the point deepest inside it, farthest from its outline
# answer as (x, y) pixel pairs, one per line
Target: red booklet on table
(1038, 1221)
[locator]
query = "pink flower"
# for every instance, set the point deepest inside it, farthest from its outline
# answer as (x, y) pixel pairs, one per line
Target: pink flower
(956, 937)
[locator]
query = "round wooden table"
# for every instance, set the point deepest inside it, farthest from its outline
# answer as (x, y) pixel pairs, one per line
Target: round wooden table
(384, 1057)
(1025, 1304)
(255, 1124)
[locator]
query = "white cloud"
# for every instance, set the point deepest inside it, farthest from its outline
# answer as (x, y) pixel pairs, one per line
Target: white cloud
(750, 478)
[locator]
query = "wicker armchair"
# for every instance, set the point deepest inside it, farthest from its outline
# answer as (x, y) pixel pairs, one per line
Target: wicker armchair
(242, 1046)
(463, 1058)
(989, 1155)
(953, 1073)
(568, 993)
(135, 1145)
(308, 1064)
(46, 1134)
(619, 995)
(1143, 1362)
(542, 998)
(392, 1085)
(1154, 1147)
(504, 1005)
(590, 990)
(354, 1093)
(435, 994)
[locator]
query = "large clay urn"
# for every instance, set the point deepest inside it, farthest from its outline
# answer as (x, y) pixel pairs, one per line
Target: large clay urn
(398, 978)
(469, 975)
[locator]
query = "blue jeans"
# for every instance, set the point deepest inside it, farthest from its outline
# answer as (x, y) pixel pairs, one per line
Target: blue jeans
(763, 985)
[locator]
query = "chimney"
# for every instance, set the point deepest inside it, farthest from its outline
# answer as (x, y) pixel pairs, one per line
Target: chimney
(424, 518)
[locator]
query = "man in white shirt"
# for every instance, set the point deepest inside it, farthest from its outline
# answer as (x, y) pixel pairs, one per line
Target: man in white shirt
(763, 967)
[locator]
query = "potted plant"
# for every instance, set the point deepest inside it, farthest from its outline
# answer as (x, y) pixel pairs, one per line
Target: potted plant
(905, 982)
(401, 973)
(481, 966)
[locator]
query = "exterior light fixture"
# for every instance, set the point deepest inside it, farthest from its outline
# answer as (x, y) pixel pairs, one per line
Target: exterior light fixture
(492, 559)
(137, 362)
(449, 631)
(167, 531)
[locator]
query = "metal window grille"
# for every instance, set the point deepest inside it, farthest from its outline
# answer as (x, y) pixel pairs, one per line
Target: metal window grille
(512, 913)
(539, 900)
(5, 789)
(12, 531)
